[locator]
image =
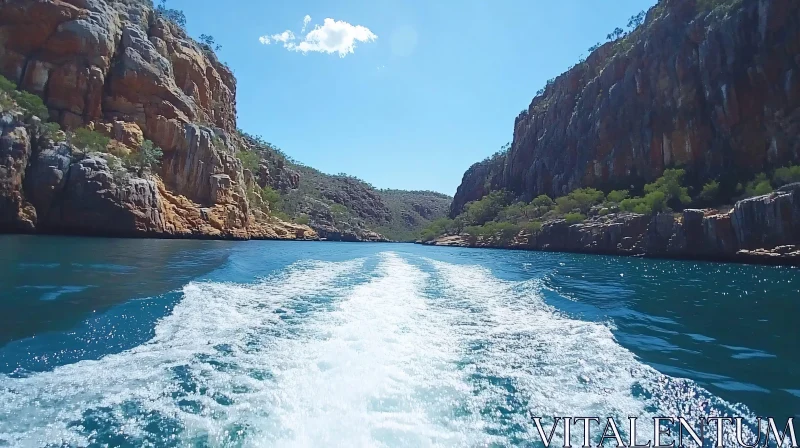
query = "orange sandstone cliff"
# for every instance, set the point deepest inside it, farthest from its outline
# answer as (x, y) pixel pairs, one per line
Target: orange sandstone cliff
(118, 67)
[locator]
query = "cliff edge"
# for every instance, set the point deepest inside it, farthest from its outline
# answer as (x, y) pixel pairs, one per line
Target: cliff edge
(120, 68)
(710, 86)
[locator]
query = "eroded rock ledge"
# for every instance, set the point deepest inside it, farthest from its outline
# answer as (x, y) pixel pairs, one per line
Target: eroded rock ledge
(763, 229)
(47, 187)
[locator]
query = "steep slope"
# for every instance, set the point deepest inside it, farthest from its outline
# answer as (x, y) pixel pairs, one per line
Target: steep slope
(341, 207)
(708, 85)
(129, 71)
(120, 68)
(411, 211)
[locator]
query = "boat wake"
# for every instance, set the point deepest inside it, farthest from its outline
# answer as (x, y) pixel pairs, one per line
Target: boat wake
(393, 353)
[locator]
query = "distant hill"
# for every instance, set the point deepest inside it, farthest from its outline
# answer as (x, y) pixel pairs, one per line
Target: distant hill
(340, 206)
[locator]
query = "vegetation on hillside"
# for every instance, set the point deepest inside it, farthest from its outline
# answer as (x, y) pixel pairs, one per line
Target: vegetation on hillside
(29, 103)
(497, 216)
(146, 158)
(338, 202)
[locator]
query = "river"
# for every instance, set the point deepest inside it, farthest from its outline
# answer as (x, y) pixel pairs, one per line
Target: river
(123, 342)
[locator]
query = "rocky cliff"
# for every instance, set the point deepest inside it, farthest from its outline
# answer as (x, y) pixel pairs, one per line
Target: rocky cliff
(118, 67)
(47, 186)
(708, 85)
(107, 60)
(763, 229)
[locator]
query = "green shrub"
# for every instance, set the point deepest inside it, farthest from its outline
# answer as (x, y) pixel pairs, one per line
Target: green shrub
(651, 203)
(574, 218)
(503, 230)
(32, 104)
(617, 196)
(631, 204)
(303, 219)
(457, 224)
(441, 227)
(50, 130)
(533, 227)
(272, 197)
(710, 192)
(565, 204)
(146, 158)
(428, 235)
(542, 200)
(89, 140)
(786, 175)
(6, 85)
(518, 212)
(474, 230)
(656, 201)
(581, 199)
(487, 208)
(671, 185)
(250, 160)
(281, 215)
(758, 186)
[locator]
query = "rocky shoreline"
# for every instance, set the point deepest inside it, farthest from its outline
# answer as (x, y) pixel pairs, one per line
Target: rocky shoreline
(762, 230)
(48, 187)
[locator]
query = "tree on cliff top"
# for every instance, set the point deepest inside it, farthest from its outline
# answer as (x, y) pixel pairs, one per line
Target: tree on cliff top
(636, 20)
(616, 34)
(175, 16)
(209, 42)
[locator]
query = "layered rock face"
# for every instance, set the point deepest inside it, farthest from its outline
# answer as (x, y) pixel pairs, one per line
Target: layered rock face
(103, 60)
(716, 92)
(760, 229)
(47, 187)
(118, 67)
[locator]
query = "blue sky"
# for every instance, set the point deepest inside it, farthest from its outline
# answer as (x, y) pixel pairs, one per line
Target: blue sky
(436, 90)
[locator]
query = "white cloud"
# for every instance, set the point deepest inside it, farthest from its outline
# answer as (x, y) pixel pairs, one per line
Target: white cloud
(334, 36)
(284, 37)
(306, 21)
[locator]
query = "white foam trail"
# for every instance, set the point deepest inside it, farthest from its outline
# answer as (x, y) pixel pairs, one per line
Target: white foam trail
(311, 358)
(212, 318)
(377, 371)
(559, 365)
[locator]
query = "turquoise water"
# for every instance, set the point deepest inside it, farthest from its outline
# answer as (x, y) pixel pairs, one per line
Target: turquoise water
(109, 342)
